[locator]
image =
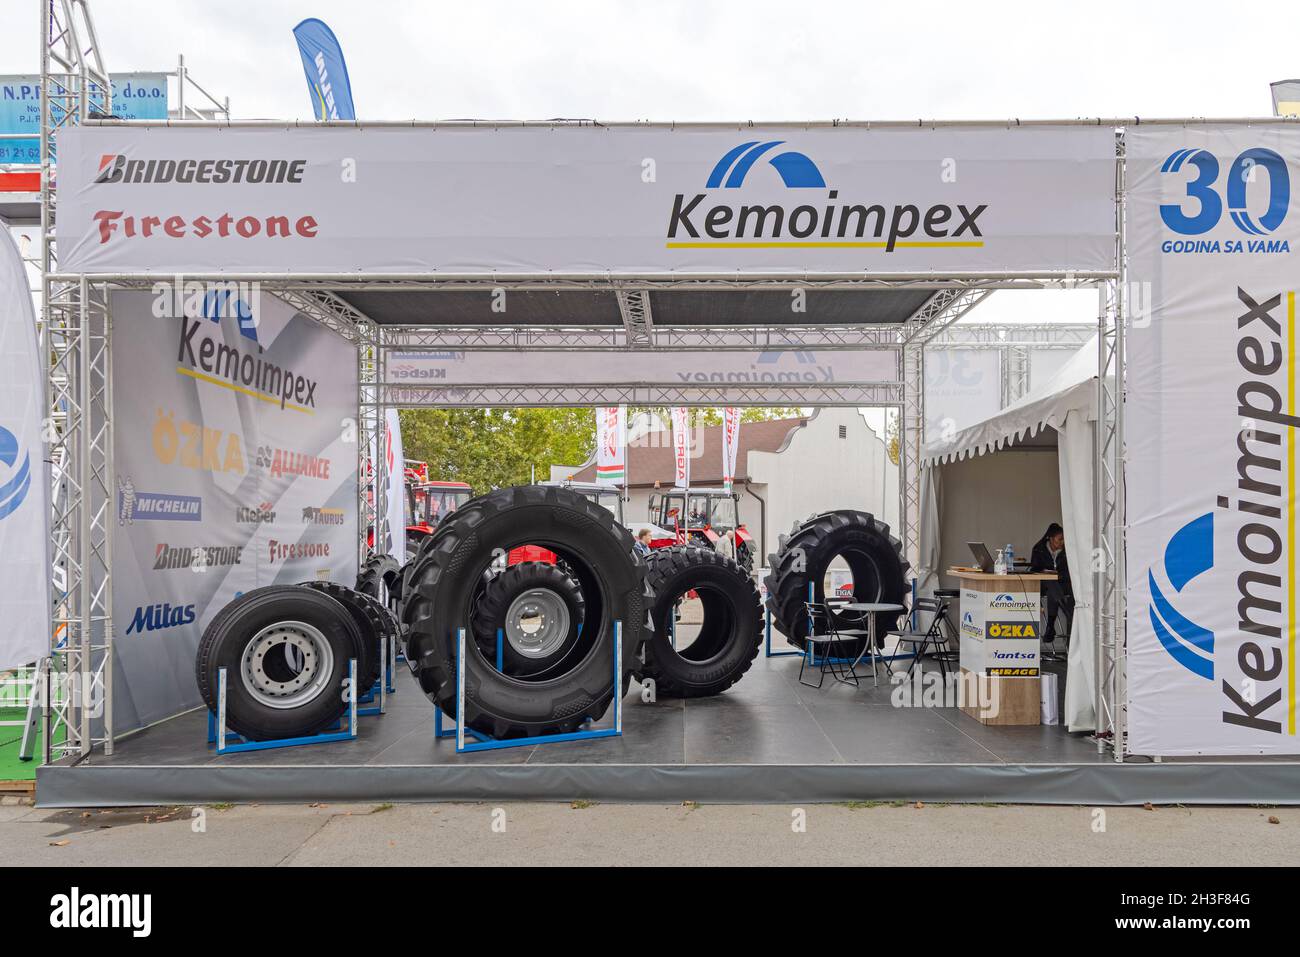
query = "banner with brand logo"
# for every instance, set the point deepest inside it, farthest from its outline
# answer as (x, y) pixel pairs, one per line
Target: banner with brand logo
(620, 200)
(136, 96)
(1210, 429)
(24, 476)
(414, 376)
(327, 73)
(396, 487)
(681, 447)
(962, 387)
(235, 464)
(730, 444)
(611, 445)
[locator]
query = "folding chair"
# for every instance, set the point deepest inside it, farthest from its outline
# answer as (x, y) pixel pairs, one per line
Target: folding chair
(822, 635)
(932, 638)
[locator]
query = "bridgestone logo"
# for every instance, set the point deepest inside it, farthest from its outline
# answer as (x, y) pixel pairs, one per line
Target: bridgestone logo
(116, 168)
(167, 557)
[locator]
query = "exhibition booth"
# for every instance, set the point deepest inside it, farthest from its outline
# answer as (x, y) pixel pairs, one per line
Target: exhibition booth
(360, 268)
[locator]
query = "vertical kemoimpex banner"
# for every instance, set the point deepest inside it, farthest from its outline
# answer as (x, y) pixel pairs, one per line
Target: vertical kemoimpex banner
(396, 545)
(730, 444)
(611, 445)
(1210, 428)
(235, 455)
(326, 70)
(681, 447)
(24, 477)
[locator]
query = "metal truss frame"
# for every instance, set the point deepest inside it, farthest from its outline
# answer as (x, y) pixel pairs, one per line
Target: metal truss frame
(882, 394)
(77, 696)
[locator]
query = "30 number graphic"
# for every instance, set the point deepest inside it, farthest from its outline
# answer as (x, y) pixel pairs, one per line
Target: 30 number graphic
(1205, 204)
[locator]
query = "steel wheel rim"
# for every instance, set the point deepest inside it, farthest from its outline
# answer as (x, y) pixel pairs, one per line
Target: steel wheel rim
(286, 665)
(537, 623)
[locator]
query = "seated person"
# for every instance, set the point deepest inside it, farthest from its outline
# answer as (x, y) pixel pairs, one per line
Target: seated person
(1049, 556)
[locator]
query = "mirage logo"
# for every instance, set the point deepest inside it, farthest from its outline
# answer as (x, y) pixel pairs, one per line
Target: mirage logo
(829, 224)
(15, 478)
(1189, 553)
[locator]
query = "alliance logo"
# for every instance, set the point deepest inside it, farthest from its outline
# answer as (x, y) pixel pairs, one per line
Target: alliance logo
(18, 479)
(828, 224)
(1189, 553)
(158, 617)
(154, 506)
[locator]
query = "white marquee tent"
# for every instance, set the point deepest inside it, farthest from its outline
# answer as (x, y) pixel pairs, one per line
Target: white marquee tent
(1066, 403)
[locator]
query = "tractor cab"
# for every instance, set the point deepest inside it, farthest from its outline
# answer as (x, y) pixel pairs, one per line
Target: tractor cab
(702, 517)
(428, 503)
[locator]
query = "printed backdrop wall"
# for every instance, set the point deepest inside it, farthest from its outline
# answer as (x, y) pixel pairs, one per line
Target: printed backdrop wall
(1210, 428)
(236, 467)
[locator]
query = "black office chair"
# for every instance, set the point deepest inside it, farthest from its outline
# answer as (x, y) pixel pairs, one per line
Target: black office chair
(823, 636)
(932, 638)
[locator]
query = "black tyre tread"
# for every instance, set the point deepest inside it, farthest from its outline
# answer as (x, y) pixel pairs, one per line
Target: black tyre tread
(377, 568)
(668, 564)
(430, 656)
(205, 669)
(373, 620)
(787, 585)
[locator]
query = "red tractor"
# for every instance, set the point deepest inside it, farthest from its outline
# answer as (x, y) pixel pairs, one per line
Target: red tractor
(710, 514)
(428, 503)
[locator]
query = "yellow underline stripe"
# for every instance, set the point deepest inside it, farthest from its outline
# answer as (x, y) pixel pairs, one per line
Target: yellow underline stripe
(828, 245)
(1290, 514)
(239, 388)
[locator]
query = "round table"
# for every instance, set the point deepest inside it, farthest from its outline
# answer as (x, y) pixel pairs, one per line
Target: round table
(869, 609)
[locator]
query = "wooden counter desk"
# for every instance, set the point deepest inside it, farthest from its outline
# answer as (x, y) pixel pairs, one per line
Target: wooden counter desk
(1000, 644)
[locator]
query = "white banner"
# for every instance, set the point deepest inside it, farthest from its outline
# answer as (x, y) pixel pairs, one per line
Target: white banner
(589, 201)
(730, 444)
(396, 545)
(1210, 429)
(24, 476)
(235, 460)
(611, 445)
(681, 447)
(962, 387)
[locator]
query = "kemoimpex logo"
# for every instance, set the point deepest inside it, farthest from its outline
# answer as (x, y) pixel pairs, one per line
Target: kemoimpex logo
(1188, 554)
(16, 476)
(694, 224)
(1255, 189)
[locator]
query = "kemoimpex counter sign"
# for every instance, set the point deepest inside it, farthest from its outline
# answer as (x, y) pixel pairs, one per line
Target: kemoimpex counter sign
(622, 200)
(1211, 419)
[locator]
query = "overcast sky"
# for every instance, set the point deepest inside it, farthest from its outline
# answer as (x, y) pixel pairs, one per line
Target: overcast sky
(669, 60)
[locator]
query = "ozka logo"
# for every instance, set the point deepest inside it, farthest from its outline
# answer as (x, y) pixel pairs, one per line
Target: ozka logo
(828, 224)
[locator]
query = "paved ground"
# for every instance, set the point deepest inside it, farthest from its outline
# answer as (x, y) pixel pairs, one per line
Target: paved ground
(483, 834)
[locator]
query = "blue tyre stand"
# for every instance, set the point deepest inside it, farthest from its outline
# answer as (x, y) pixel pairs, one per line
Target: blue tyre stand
(376, 696)
(483, 742)
(229, 742)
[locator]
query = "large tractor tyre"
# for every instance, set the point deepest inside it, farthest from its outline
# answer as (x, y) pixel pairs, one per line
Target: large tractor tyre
(539, 610)
(444, 590)
(731, 632)
(875, 559)
(378, 578)
(745, 557)
(373, 620)
(286, 651)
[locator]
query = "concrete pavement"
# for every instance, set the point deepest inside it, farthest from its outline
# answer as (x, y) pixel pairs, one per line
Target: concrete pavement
(596, 834)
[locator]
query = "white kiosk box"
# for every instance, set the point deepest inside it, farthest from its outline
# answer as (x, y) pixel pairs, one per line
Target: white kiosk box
(1000, 625)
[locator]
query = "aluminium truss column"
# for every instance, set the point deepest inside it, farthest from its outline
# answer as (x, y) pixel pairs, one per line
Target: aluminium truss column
(369, 436)
(78, 711)
(911, 427)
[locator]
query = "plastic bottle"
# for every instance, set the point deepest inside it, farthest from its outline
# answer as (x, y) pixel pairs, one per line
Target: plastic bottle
(1010, 559)
(1000, 563)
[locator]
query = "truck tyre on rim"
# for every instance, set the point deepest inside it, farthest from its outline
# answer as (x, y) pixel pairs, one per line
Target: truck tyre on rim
(730, 634)
(539, 609)
(874, 557)
(444, 588)
(373, 621)
(286, 651)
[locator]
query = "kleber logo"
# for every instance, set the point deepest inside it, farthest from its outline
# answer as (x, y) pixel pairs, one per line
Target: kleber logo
(160, 617)
(155, 506)
(1189, 553)
(813, 223)
(117, 168)
(1255, 193)
(16, 477)
(261, 515)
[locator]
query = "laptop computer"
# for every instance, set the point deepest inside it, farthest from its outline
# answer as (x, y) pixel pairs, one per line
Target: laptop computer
(982, 556)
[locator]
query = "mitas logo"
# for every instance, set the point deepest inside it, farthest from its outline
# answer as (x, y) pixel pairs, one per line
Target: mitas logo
(817, 223)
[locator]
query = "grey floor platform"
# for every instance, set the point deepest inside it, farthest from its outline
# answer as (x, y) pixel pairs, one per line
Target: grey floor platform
(768, 739)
